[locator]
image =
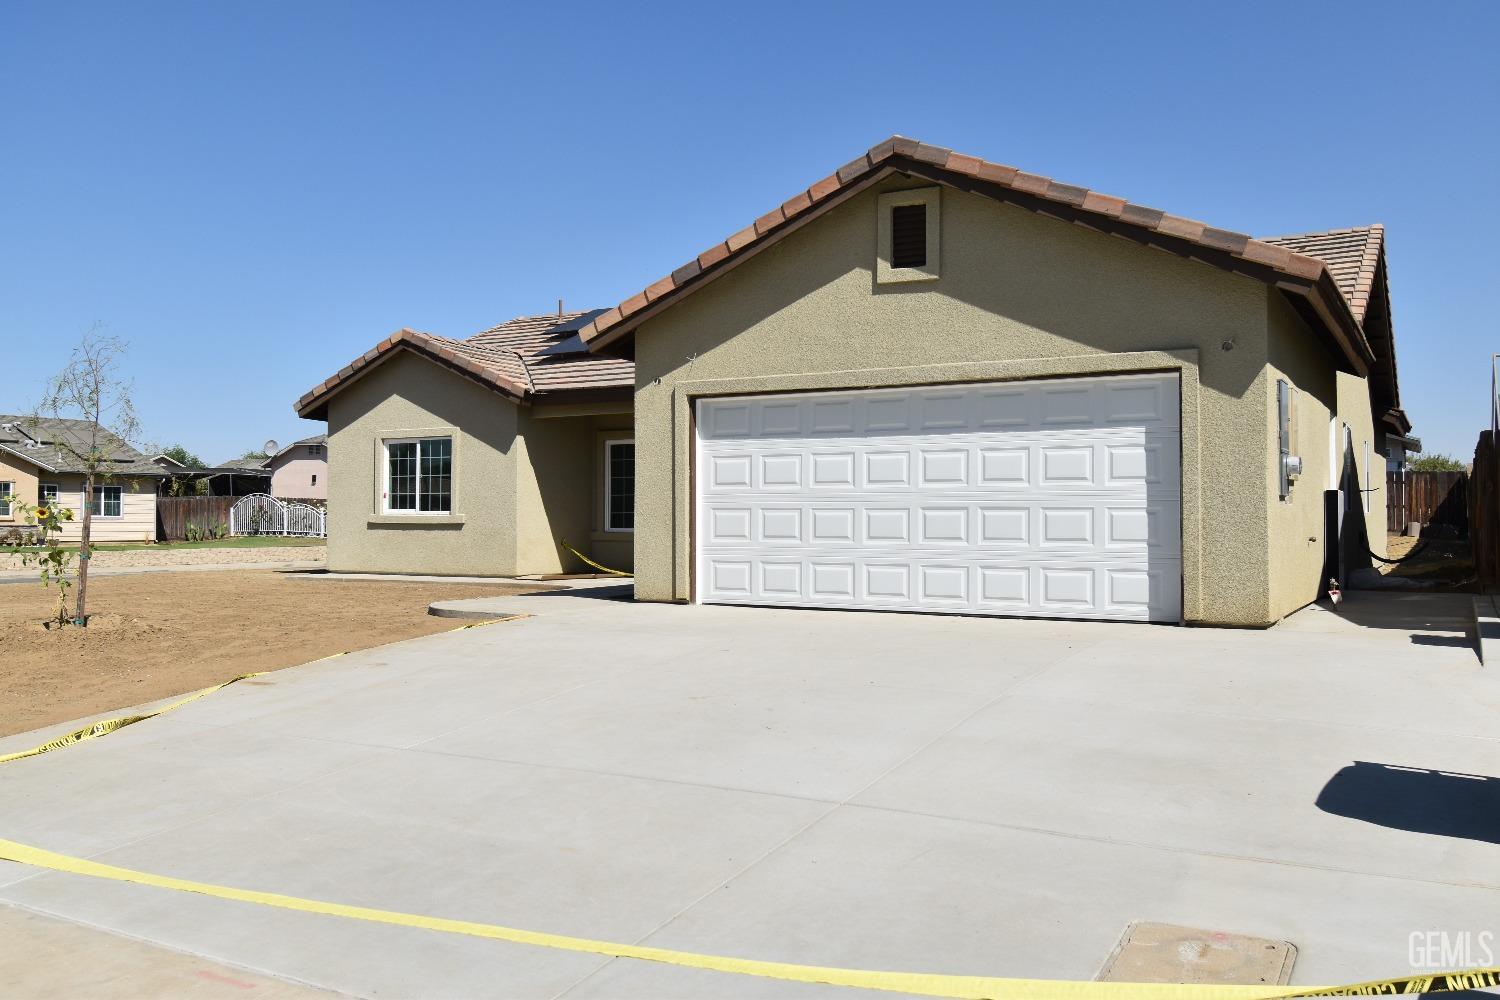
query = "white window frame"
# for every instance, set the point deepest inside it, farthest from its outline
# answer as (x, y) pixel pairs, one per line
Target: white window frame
(609, 493)
(885, 273)
(7, 489)
(44, 491)
(385, 477)
(101, 516)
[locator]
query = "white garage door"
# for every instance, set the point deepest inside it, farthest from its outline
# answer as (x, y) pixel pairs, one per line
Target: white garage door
(1057, 498)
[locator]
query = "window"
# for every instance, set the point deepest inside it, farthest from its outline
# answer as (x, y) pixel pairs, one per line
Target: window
(315, 449)
(7, 488)
(907, 236)
(619, 486)
(315, 479)
(419, 476)
(106, 502)
(47, 494)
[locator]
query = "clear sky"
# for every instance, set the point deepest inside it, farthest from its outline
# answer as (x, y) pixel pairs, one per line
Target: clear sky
(252, 194)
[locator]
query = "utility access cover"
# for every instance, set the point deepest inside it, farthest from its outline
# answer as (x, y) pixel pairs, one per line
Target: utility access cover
(1166, 953)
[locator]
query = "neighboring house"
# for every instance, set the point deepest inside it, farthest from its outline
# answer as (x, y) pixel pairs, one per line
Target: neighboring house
(34, 469)
(1398, 451)
(927, 382)
(300, 470)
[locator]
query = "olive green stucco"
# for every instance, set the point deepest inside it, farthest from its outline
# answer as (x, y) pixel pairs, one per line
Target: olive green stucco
(1019, 295)
(521, 481)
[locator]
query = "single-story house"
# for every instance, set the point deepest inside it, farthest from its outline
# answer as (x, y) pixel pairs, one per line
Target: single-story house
(927, 383)
(299, 471)
(34, 469)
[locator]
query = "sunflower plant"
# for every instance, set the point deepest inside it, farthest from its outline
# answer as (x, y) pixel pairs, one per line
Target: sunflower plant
(54, 563)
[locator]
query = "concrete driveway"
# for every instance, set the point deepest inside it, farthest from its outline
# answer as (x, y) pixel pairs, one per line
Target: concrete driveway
(908, 792)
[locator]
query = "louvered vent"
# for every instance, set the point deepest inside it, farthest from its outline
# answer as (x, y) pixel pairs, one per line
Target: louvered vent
(909, 236)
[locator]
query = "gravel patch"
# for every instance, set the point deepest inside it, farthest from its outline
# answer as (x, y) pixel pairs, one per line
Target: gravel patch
(151, 558)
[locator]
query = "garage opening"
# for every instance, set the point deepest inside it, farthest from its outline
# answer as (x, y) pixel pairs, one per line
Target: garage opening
(1050, 498)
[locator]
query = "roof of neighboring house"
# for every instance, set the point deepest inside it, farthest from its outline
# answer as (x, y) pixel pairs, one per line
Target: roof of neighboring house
(247, 465)
(1304, 277)
(42, 442)
(527, 358)
(284, 449)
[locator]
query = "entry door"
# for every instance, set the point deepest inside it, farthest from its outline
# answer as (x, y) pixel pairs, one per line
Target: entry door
(1054, 498)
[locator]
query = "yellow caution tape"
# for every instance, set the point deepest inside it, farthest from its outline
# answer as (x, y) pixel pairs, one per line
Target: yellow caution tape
(923, 984)
(602, 569)
(106, 726)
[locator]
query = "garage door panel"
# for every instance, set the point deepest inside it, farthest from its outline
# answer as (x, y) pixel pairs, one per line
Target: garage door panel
(1054, 526)
(1038, 498)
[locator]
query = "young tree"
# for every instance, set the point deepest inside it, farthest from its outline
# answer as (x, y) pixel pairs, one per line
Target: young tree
(178, 453)
(1437, 463)
(91, 388)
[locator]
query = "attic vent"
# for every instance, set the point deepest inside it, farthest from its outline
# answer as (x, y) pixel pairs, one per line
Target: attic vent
(909, 236)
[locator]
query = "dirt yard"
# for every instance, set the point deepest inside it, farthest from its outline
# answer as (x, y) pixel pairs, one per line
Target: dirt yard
(1447, 563)
(161, 634)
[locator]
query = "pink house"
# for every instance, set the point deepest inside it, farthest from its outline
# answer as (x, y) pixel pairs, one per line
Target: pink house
(300, 470)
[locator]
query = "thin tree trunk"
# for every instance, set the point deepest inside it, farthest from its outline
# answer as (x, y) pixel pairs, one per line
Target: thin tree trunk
(80, 613)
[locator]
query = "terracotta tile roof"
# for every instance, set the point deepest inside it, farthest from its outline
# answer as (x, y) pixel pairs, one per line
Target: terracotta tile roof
(554, 357)
(1350, 254)
(531, 356)
(1282, 264)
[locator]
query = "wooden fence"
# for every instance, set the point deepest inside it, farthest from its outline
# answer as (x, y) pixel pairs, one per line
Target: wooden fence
(1427, 498)
(174, 514)
(1484, 510)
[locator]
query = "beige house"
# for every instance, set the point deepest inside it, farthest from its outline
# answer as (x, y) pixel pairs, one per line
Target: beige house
(34, 470)
(299, 471)
(479, 456)
(925, 383)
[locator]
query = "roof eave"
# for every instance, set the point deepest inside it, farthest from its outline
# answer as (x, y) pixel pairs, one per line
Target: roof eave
(314, 404)
(1235, 252)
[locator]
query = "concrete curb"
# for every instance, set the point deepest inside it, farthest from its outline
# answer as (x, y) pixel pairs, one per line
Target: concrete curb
(484, 611)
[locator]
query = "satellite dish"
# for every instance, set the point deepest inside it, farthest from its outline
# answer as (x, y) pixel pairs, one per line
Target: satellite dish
(270, 447)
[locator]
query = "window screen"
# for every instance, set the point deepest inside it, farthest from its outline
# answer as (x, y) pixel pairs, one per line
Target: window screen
(620, 498)
(435, 486)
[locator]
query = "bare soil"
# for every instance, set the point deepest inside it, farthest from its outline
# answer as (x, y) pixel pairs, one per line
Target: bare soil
(1448, 563)
(155, 635)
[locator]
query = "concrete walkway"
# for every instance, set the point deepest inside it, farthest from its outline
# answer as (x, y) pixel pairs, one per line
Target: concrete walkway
(911, 792)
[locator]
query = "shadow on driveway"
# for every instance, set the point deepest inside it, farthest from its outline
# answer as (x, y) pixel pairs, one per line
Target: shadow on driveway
(1442, 803)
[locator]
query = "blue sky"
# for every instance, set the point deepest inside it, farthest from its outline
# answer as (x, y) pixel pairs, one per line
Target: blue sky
(253, 194)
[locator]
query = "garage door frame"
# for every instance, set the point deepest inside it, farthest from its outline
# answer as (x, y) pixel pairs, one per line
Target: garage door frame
(685, 393)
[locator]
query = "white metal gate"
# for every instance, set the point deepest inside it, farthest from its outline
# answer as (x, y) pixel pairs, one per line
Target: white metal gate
(1057, 498)
(263, 514)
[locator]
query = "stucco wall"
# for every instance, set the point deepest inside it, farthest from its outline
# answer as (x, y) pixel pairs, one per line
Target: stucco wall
(292, 475)
(559, 492)
(1020, 295)
(23, 477)
(411, 397)
(1297, 537)
(1354, 410)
